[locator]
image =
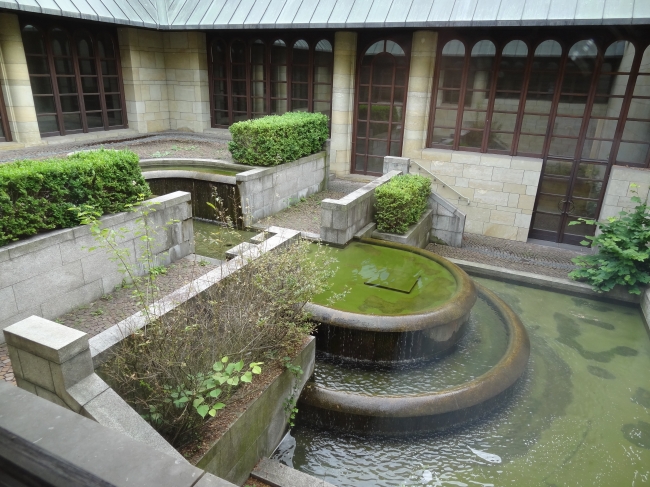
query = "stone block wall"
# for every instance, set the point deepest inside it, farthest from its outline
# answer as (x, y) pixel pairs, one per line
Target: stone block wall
(448, 222)
(268, 190)
(501, 189)
(342, 219)
(165, 80)
(620, 190)
(50, 274)
(14, 82)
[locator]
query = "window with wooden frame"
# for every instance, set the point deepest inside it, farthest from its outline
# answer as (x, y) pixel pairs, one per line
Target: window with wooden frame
(584, 97)
(5, 133)
(76, 79)
(251, 78)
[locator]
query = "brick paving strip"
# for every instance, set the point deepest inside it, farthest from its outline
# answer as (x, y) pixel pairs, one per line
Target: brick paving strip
(119, 305)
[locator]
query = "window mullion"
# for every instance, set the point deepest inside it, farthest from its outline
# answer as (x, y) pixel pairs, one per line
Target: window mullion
(77, 76)
(554, 105)
(461, 98)
(55, 85)
(522, 102)
(492, 95)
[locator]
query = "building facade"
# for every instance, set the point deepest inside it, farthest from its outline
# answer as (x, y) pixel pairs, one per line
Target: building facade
(529, 114)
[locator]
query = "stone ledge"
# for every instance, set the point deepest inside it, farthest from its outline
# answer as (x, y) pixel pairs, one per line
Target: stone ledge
(274, 473)
(417, 234)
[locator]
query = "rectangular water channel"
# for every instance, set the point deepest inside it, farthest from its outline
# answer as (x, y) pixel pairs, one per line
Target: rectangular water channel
(579, 416)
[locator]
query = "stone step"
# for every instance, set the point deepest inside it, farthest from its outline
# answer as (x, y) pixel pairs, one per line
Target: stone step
(274, 473)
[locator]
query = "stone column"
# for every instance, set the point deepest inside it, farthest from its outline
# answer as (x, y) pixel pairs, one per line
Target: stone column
(14, 82)
(345, 56)
(142, 54)
(186, 63)
(418, 102)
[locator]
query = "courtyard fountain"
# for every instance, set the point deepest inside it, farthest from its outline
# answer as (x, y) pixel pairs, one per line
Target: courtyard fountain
(414, 345)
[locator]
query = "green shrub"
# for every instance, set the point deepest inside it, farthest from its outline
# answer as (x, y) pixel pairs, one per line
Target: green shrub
(274, 140)
(623, 254)
(37, 195)
(400, 202)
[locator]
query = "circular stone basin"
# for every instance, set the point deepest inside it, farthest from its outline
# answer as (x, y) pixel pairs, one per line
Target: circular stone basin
(403, 304)
(395, 409)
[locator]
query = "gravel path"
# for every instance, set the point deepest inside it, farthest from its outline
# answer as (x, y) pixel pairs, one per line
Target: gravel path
(305, 215)
(518, 256)
(172, 144)
(120, 304)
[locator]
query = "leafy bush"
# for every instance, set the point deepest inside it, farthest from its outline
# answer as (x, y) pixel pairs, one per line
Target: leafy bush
(184, 366)
(400, 202)
(37, 195)
(274, 140)
(623, 254)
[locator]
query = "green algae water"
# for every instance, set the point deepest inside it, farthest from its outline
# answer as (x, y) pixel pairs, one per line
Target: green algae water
(387, 281)
(580, 415)
(214, 240)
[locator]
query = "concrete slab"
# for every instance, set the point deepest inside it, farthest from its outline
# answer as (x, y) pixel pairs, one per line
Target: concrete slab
(274, 473)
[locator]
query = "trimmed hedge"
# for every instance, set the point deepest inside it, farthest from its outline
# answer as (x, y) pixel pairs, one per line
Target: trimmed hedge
(274, 140)
(400, 202)
(37, 195)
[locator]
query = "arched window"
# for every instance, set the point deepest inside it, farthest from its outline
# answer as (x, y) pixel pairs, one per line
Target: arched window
(509, 85)
(219, 83)
(322, 76)
(452, 63)
(75, 80)
(634, 148)
(279, 81)
(258, 79)
(380, 106)
(269, 76)
(476, 97)
(574, 91)
(544, 73)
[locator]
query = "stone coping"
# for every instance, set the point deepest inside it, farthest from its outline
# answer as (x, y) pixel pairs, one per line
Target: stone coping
(190, 161)
(465, 396)
(359, 194)
(543, 282)
(456, 308)
(196, 175)
(256, 171)
(53, 237)
(274, 473)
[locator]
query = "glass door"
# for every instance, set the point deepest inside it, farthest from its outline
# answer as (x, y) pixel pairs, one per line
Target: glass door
(379, 116)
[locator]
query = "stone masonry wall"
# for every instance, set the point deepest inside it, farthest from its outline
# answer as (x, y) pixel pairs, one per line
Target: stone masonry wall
(501, 189)
(50, 274)
(15, 84)
(268, 190)
(165, 80)
(620, 190)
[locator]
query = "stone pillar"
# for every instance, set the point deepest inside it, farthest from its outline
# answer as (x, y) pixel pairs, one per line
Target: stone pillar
(14, 82)
(145, 79)
(397, 164)
(186, 63)
(48, 358)
(345, 55)
(54, 362)
(418, 102)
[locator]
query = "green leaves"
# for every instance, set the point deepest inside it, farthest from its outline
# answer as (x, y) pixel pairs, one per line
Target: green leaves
(274, 140)
(623, 256)
(229, 374)
(400, 202)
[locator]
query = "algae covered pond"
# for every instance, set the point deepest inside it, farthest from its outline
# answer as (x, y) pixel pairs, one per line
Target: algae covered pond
(213, 240)
(580, 415)
(383, 280)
